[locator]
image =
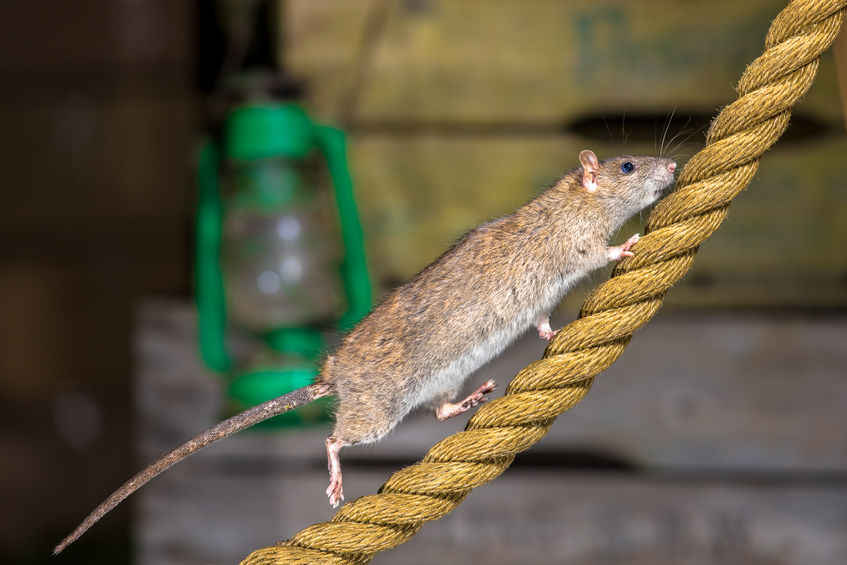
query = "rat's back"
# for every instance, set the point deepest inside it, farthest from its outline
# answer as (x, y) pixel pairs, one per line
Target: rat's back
(465, 308)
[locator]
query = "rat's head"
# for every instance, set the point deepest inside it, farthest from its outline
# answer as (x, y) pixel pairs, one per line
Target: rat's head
(634, 182)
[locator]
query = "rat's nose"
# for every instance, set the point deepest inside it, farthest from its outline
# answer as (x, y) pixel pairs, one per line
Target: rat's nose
(672, 166)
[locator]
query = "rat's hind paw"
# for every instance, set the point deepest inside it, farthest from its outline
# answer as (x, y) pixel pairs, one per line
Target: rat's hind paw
(335, 492)
(448, 409)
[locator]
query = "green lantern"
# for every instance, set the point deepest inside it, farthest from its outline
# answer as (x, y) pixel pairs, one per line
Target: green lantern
(267, 258)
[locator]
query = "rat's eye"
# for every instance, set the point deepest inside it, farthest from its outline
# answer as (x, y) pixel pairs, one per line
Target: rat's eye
(627, 167)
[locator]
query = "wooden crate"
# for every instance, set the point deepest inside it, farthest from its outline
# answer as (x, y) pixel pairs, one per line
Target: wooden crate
(780, 244)
(466, 109)
(483, 61)
(715, 439)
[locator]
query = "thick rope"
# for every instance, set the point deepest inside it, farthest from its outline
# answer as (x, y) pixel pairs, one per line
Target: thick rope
(738, 136)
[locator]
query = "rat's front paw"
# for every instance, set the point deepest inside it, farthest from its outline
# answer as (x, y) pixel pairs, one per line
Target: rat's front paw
(630, 242)
(544, 329)
(547, 334)
(618, 252)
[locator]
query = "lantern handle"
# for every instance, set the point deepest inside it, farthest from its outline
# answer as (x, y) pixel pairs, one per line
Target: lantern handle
(354, 269)
(208, 280)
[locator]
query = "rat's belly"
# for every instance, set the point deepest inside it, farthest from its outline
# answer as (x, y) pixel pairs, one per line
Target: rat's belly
(454, 375)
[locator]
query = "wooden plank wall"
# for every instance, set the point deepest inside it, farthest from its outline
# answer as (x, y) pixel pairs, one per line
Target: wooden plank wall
(96, 112)
(715, 439)
(461, 110)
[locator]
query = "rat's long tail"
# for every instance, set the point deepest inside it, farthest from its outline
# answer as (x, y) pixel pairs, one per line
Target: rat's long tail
(249, 417)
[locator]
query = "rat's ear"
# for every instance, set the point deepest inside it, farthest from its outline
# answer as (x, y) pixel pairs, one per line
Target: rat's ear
(590, 165)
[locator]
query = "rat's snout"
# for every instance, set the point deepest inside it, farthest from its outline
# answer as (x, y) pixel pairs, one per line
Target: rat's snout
(662, 178)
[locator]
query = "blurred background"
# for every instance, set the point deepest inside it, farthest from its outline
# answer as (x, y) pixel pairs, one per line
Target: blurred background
(717, 438)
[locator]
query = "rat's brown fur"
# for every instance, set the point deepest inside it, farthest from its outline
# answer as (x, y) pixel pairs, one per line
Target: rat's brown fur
(499, 271)
(422, 342)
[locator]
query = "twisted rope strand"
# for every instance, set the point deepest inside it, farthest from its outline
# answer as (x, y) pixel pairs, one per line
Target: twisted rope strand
(738, 136)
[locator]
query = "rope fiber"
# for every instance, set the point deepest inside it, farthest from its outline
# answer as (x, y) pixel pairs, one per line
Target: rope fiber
(738, 136)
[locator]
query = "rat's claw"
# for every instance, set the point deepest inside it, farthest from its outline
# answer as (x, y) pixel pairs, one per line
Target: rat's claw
(547, 334)
(470, 403)
(335, 493)
(448, 410)
(629, 243)
(544, 329)
(478, 396)
(618, 252)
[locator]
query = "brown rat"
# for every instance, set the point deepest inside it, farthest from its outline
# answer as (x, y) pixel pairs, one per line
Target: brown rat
(420, 344)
